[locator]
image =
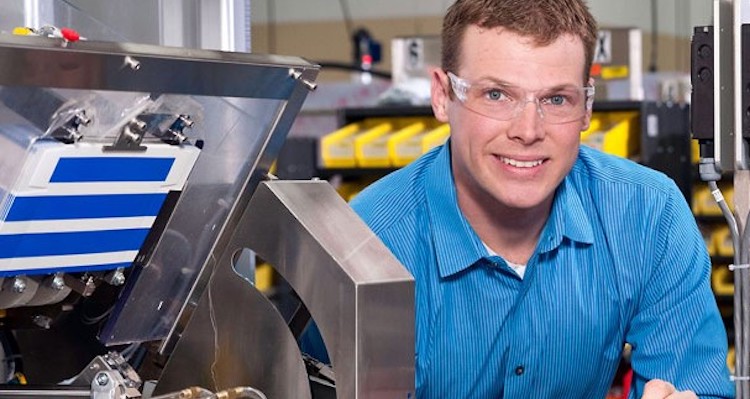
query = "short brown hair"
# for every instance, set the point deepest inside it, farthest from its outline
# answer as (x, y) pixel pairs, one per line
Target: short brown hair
(542, 20)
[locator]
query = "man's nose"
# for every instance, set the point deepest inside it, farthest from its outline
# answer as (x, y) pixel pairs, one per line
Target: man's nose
(529, 123)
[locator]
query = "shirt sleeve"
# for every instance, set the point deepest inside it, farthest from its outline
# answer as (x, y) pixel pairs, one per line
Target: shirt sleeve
(677, 332)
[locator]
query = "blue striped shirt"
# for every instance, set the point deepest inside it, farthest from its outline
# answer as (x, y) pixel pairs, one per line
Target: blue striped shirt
(620, 259)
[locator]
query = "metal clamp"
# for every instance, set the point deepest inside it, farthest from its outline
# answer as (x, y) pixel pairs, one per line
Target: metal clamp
(734, 267)
(70, 131)
(739, 378)
(174, 134)
(130, 137)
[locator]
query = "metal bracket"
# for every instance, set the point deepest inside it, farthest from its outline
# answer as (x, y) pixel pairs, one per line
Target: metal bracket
(130, 137)
(109, 374)
(174, 134)
(70, 131)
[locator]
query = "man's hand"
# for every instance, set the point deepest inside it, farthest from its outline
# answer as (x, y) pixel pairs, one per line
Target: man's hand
(658, 389)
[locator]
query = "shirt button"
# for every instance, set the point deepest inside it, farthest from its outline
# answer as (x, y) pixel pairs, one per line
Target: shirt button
(519, 370)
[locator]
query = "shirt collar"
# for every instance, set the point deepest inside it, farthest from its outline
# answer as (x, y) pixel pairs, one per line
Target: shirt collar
(568, 218)
(458, 247)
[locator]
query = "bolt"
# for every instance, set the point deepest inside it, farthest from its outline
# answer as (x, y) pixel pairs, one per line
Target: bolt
(118, 278)
(82, 119)
(132, 63)
(19, 285)
(177, 137)
(73, 134)
(102, 379)
(186, 120)
(58, 282)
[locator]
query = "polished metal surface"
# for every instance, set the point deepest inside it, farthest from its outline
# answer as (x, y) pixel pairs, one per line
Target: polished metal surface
(724, 90)
(242, 136)
(91, 65)
(248, 103)
(258, 163)
(235, 337)
(39, 393)
(360, 296)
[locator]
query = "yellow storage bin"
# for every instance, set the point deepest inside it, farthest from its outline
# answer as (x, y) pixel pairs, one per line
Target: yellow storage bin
(371, 147)
(436, 137)
(616, 133)
(722, 281)
(366, 143)
(337, 148)
(405, 145)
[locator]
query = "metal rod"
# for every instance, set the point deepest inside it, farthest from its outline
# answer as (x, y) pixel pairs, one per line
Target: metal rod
(44, 393)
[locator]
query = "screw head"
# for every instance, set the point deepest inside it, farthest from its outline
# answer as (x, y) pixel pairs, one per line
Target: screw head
(102, 379)
(19, 285)
(58, 283)
(118, 279)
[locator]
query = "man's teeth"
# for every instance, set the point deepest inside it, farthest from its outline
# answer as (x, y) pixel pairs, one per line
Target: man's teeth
(521, 164)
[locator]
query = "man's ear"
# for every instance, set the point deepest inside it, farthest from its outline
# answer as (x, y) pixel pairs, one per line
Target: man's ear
(439, 97)
(587, 118)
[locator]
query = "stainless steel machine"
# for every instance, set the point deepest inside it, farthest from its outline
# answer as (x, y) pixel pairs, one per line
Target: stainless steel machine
(135, 178)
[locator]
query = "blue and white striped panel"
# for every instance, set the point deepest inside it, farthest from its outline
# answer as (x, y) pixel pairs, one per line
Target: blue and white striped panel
(79, 209)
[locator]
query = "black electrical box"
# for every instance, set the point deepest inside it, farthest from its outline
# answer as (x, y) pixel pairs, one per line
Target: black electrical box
(702, 79)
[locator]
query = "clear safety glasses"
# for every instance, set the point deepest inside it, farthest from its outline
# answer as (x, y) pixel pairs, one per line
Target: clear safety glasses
(505, 102)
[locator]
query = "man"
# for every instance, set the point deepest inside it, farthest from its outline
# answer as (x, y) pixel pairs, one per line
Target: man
(536, 259)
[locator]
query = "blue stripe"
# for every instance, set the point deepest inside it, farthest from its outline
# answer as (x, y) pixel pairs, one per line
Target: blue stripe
(103, 169)
(71, 243)
(77, 268)
(85, 206)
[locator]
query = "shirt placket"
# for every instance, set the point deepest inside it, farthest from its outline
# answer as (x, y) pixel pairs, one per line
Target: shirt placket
(523, 358)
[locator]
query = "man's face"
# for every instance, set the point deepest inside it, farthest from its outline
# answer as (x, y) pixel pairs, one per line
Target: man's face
(516, 163)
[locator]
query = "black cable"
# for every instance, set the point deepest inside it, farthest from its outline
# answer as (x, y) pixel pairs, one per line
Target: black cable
(352, 67)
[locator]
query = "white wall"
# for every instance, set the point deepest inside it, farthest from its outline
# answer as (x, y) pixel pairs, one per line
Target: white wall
(675, 17)
(328, 10)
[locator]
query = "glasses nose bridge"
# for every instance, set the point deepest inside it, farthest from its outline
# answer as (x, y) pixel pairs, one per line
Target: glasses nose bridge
(529, 98)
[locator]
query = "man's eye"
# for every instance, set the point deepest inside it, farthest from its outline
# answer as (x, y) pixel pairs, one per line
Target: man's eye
(494, 94)
(556, 100)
